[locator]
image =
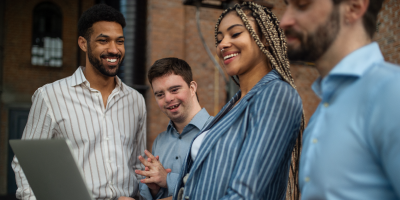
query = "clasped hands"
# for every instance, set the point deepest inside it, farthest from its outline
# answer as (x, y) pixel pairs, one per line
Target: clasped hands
(155, 173)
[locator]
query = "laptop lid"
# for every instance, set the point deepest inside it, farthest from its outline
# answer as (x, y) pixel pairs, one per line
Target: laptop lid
(51, 169)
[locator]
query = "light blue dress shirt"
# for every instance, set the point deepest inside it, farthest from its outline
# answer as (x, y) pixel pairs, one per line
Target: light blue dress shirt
(172, 148)
(351, 147)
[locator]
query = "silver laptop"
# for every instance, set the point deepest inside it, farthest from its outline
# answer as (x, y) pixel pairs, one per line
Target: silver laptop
(51, 169)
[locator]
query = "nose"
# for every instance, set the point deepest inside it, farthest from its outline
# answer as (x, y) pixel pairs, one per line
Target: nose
(287, 19)
(113, 48)
(223, 45)
(169, 97)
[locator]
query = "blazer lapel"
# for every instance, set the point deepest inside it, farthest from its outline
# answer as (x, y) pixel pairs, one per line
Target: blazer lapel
(226, 120)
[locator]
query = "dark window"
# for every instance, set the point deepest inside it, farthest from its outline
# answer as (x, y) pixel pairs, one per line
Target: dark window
(46, 35)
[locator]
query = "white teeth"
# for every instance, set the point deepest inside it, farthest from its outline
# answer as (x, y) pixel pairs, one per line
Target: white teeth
(231, 55)
(111, 60)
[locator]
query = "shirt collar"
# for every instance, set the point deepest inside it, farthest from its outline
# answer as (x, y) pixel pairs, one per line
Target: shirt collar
(353, 65)
(198, 120)
(358, 62)
(79, 78)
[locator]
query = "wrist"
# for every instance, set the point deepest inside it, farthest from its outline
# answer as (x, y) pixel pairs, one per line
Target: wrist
(154, 192)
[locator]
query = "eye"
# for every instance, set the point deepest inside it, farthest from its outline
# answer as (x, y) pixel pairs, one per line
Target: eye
(219, 40)
(102, 41)
(302, 5)
(174, 90)
(159, 95)
(236, 35)
(120, 41)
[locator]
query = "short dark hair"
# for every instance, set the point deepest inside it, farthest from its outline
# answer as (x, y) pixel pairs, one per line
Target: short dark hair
(167, 66)
(98, 12)
(370, 17)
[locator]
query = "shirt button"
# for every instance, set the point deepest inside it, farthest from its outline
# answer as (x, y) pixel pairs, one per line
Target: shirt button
(326, 104)
(186, 197)
(177, 157)
(106, 138)
(307, 179)
(314, 140)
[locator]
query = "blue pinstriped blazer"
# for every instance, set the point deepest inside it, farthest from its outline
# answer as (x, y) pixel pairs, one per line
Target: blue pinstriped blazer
(246, 153)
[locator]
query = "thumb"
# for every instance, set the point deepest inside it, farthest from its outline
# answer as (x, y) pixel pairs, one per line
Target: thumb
(168, 170)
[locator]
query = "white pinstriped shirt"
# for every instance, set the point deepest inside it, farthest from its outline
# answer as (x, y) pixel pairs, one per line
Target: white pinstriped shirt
(106, 140)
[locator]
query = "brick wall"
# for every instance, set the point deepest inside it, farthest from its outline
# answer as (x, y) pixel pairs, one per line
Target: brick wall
(388, 35)
(20, 78)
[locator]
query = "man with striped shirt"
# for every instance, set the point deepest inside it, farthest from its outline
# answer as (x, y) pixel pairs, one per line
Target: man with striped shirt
(104, 119)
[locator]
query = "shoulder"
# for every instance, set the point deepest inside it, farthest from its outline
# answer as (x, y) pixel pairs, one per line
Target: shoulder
(383, 81)
(277, 92)
(50, 90)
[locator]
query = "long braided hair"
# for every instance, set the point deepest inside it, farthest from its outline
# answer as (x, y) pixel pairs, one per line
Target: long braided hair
(268, 25)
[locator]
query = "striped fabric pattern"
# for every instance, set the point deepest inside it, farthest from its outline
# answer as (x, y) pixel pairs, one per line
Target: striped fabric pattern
(105, 141)
(246, 153)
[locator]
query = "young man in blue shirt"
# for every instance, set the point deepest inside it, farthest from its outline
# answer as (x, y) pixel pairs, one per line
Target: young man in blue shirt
(175, 93)
(352, 143)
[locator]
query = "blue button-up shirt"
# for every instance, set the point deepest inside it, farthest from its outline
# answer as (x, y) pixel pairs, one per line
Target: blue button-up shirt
(351, 147)
(172, 148)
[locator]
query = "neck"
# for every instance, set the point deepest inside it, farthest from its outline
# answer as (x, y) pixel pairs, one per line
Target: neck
(348, 40)
(193, 111)
(97, 80)
(250, 79)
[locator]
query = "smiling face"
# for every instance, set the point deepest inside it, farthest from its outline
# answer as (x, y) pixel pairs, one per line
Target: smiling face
(310, 26)
(175, 97)
(241, 55)
(106, 48)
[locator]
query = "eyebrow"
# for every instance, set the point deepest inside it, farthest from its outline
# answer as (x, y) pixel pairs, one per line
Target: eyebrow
(170, 88)
(102, 35)
(231, 27)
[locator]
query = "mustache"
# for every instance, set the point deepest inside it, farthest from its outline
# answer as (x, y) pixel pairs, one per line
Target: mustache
(110, 55)
(292, 33)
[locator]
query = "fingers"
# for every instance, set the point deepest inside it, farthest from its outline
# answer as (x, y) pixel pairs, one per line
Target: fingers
(148, 180)
(143, 161)
(143, 173)
(158, 158)
(125, 198)
(149, 155)
(168, 170)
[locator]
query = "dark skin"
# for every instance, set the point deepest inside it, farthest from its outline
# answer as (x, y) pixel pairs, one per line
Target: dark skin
(106, 38)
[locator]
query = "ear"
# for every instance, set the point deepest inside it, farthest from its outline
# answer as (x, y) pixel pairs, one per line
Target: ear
(355, 10)
(193, 87)
(82, 43)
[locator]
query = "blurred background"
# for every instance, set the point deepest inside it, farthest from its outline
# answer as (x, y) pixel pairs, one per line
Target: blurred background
(38, 45)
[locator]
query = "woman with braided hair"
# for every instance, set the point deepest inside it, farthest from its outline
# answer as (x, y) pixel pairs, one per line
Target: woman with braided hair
(245, 152)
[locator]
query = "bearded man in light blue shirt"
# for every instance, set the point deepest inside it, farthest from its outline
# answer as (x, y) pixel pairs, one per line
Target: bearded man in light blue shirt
(351, 146)
(175, 93)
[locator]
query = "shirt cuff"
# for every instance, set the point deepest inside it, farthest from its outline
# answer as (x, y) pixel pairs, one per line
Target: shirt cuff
(172, 180)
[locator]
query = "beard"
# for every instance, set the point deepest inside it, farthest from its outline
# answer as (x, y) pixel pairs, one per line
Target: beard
(98, 64)
(317, 43)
